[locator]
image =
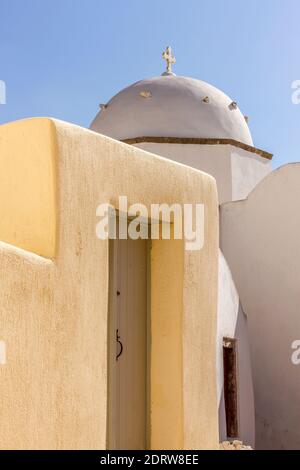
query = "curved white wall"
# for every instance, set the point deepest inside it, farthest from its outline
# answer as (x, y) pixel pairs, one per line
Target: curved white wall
(260, 238)
(232, 323)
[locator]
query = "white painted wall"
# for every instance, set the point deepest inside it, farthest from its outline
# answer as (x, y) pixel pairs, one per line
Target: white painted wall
(237, 171)
(247, 170)
(232, 322)
(260, 238)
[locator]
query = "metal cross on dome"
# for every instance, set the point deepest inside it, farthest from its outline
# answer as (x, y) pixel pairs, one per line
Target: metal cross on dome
(170, 59)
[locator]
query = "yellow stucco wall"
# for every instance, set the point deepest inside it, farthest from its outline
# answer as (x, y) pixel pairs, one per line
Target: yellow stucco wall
(166, 407)
(53, 313)
(27, 186)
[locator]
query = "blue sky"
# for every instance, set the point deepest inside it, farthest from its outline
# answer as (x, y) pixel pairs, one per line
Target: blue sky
(61, 58)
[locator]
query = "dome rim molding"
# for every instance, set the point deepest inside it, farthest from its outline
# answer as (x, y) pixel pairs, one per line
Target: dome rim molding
(198, 141)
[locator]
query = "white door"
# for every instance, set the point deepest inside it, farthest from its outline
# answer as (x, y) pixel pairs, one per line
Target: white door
(127, 345)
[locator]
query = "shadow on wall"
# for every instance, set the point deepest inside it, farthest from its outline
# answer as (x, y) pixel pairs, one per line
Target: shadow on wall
(232, 323)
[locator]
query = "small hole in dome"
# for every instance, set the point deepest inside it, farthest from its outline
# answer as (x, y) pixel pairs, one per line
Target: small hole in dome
(206, 99)
(233, 105)
(145, 94)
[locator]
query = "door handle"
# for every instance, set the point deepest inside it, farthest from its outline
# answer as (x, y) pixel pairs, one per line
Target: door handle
(118, 337)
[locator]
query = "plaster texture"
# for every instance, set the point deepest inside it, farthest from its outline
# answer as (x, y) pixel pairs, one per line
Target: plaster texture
(54, 294)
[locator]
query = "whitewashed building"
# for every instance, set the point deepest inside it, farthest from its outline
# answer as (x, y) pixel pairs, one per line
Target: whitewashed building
(193, 123)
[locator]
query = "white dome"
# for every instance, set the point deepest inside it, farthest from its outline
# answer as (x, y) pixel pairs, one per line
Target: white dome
(172, 106)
